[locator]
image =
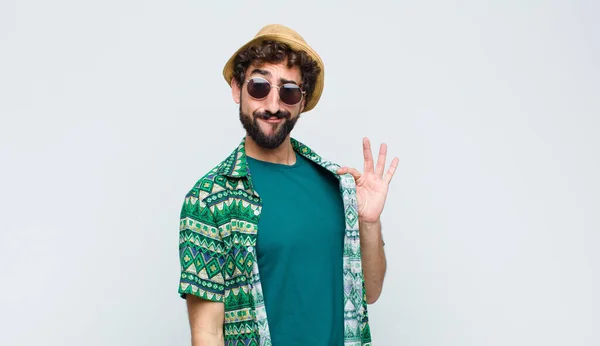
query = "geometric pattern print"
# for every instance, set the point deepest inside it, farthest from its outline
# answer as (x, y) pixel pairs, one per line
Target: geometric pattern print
(217, 240)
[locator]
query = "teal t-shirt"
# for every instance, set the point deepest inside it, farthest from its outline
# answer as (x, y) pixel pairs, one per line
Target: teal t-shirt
(299, 252)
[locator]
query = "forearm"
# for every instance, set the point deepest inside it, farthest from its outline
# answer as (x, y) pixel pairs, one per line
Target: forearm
(373, 258)
(206, 322)
(205, 338)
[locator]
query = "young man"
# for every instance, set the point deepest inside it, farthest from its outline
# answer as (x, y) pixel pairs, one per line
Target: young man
(277, 245)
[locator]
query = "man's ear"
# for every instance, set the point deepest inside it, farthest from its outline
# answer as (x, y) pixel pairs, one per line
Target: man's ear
(235, 91)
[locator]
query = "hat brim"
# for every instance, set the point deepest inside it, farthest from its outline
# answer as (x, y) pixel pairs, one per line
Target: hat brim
(294, 45)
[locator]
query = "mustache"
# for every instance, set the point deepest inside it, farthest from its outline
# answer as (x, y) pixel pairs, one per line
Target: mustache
(266, 115)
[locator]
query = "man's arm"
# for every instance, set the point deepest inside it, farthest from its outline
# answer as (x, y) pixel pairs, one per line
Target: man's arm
(206, 321)
(373, 258)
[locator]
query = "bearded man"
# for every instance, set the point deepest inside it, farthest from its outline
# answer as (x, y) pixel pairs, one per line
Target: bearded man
(279, 246)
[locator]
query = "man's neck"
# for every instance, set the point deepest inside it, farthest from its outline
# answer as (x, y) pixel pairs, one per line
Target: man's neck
(283, 154)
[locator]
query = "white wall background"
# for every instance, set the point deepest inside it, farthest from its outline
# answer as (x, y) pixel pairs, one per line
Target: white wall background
(111, 110)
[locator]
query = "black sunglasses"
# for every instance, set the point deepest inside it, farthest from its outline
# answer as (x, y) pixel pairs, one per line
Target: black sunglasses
(289, 93)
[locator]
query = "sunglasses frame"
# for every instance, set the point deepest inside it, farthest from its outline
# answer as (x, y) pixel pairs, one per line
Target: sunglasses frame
(302, 92)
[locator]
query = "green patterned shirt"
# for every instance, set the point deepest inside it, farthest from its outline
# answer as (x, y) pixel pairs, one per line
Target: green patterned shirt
(217, 240)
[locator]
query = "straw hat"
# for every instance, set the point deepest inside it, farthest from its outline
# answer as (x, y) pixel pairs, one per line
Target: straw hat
(283, 34)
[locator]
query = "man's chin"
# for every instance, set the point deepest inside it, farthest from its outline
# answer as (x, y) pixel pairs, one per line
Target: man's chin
(272, 136)
(270, 140)
(267, 134)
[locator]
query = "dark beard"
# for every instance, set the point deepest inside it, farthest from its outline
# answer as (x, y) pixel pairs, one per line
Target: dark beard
(267, 141)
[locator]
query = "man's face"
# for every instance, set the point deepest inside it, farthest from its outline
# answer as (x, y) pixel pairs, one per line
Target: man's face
(268, 121)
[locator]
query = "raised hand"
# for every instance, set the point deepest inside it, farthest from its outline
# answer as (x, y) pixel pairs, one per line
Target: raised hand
(372, 185)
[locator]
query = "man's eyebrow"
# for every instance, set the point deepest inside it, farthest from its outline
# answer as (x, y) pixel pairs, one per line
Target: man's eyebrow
(261, 72)
(268, 74)
(287, 81)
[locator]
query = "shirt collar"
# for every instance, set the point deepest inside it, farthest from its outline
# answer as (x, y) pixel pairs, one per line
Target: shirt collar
(236, 164)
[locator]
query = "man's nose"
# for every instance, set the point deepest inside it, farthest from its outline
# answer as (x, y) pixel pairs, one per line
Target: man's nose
(272, 101)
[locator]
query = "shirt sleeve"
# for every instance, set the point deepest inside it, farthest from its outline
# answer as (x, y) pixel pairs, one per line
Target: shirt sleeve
(201, 251)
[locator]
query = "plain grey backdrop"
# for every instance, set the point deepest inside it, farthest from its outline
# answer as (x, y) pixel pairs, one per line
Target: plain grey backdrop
(111, 110)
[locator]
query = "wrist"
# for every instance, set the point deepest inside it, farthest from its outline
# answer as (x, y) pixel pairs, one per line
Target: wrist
(369, 223)
(369, 228)
(370, 232)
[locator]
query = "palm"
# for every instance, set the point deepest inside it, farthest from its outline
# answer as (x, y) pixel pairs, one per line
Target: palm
(371, 193)
(372, 185)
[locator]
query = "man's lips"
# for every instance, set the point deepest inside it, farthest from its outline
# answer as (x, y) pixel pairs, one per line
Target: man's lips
(272, 120)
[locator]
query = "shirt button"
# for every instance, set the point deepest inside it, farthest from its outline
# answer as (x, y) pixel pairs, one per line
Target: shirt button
(256, 212)
(250, 249)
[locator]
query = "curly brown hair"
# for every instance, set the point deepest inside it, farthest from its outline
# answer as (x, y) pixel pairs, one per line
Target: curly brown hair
(276, 52)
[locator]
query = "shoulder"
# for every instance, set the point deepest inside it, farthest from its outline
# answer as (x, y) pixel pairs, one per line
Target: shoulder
(211, 183)
(205, 185)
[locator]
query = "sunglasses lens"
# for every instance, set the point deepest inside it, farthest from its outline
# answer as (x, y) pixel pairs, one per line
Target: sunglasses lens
(290, 94)
(258, 88)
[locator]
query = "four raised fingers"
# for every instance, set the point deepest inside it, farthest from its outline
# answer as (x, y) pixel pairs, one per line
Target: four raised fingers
(369, 164)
